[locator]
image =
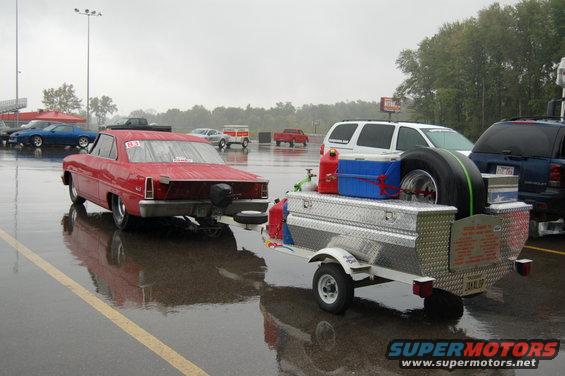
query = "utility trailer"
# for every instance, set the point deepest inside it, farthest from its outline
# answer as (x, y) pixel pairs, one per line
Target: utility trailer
(362, 242)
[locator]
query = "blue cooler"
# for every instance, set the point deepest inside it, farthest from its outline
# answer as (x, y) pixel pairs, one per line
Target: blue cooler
(369, 175)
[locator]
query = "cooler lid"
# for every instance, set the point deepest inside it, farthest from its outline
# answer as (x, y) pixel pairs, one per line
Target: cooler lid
(389, 157)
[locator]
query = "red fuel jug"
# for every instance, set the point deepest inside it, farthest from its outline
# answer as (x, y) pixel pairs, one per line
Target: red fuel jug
(327, 178)
(276, 220)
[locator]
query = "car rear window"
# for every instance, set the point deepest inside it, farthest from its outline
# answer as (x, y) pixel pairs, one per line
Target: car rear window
(342, 133)
(376, 136)
(528, 140)
(161, 151)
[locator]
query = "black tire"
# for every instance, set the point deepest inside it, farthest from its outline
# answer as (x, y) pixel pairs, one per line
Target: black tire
(278, 143)
(36, 141)
(75, 211)
(447, 168)
(245, 143)
(221, 144)
(443, 305)
(251, 217)
(122, 219)
(73, 194)
(83, 142)
(344, 291)
(291, 144)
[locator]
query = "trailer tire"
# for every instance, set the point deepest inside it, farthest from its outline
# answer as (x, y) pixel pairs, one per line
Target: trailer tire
(443, 305)
(333, 288)
(458, 181)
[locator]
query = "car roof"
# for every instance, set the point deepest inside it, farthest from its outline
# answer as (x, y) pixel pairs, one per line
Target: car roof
(129, 135)
(403, 123)
(555, 122)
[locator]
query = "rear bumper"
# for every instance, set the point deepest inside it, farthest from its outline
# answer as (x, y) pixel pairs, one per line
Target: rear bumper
(551, 202)
(196, 208)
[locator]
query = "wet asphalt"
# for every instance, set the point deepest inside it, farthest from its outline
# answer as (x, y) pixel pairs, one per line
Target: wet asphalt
(229, 305)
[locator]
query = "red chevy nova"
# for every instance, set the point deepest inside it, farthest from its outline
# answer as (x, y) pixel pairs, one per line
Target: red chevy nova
(157, 174)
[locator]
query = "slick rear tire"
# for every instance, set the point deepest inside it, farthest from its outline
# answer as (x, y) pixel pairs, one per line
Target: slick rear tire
(122, 219)
(73, 193)
(443, 305)
(456, 179)
(333, 288)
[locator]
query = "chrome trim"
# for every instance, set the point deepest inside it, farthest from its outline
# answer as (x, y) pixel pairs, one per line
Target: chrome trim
(197, 208)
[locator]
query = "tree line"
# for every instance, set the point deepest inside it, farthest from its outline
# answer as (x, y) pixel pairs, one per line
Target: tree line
(500, 64)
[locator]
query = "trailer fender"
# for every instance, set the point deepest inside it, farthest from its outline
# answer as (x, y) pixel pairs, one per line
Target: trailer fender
(347, 261)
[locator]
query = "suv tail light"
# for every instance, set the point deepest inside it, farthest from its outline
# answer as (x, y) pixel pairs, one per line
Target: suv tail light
(149, 189)
(322, 147)
(555, 175)
(264, 190)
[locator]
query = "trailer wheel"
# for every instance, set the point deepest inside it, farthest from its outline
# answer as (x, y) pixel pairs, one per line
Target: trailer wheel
(333, 288)
(443, 177)
(443, 305)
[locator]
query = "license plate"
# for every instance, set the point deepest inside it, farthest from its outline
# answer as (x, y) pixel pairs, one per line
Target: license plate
(201, 211)
(504, 170)
(473, 284)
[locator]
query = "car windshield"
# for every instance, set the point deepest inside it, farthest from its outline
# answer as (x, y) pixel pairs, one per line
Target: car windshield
(160, 151)
(448, 139)
(199, 131)
(51, 127)
(121, 121)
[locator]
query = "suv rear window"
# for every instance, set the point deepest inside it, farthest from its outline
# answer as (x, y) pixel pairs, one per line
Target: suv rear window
(528, 140)
(342, 133)
(376, 136)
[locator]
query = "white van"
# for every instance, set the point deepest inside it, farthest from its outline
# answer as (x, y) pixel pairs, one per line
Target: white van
(379, 137)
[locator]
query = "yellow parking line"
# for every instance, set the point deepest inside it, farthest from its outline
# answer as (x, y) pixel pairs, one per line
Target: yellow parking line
(545, 250)
(185, 366)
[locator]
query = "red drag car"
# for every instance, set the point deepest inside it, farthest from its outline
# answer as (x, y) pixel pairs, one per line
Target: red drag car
(155, 174)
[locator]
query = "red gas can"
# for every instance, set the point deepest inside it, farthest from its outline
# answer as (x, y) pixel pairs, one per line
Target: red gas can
(327, 178)
(276, 220)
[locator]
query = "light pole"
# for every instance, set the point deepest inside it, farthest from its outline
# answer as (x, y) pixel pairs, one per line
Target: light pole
(88, 14)
(17, 72)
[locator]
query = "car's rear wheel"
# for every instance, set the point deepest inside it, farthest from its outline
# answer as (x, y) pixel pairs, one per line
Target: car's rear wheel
(83, 142)
(222, 144)
(73, 193)
(37, 141)
(245, 143)
(122, 219)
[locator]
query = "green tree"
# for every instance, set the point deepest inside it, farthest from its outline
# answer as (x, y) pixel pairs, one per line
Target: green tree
(61, 99)
(102, 107)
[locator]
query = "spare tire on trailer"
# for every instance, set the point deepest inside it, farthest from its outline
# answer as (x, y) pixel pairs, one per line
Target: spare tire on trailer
(454, 178)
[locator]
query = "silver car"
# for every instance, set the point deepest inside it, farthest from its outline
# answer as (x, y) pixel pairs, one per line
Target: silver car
(213, 136)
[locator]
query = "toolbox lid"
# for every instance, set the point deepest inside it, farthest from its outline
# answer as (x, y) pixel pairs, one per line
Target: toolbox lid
(389, 157)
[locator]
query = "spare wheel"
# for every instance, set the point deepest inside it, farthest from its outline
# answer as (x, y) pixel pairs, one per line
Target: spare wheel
(442, 177)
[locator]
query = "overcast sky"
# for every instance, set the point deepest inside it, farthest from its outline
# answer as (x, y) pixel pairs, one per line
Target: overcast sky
(175, 54)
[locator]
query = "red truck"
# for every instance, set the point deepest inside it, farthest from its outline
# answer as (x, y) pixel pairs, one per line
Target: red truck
(292, 136)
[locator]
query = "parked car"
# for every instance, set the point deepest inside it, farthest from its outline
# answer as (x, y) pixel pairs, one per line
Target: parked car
(4, 129)
(154, 174)
(213, 136)
(374, 136)
(535, 151)
(140, 124)
(238, 134)
(291, 136)
(54, 134)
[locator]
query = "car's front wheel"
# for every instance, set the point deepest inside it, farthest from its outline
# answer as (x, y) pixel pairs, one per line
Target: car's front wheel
(73, 193)
(122, 219)
(221, 144)
(83, 142)
(245, 143)
(37, 141)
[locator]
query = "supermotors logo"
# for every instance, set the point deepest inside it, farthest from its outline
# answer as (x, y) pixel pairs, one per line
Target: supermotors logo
(452, 354)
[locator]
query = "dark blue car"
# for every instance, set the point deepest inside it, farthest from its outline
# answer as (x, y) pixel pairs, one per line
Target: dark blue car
(56, 134)
(535, 151)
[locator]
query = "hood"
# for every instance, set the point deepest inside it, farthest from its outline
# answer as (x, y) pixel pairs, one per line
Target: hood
(196, 172)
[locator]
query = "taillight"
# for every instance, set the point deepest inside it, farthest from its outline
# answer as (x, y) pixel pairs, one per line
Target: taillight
(264, 190)
(423, 287)
(523, 267)
(555, 177)
(149, 189)
(322, 147)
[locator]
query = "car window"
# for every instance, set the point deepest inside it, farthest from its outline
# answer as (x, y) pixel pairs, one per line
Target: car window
(163, 151)
(409, 138)
(529, 140)
(342, 133)
(63, 128)
(376, 136)
(133, 122)
(448, 139)
(103, 147)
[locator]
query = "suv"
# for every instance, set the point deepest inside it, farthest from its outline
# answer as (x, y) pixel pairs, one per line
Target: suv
(533, 149)
(379, 137)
